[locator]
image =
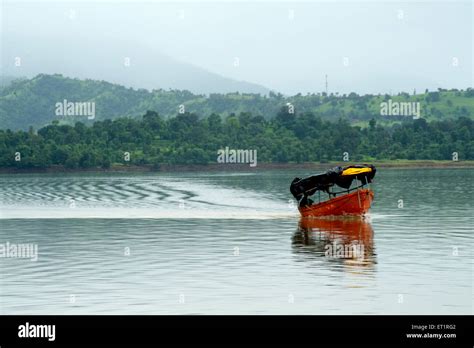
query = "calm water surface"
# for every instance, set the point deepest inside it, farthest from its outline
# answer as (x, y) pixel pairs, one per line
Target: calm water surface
(220, 243)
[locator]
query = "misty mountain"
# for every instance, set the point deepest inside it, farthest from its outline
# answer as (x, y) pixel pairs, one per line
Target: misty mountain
(126, 63)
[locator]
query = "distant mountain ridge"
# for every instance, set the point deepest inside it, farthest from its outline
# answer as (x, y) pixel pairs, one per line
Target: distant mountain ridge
(129, 64)
(32, 102)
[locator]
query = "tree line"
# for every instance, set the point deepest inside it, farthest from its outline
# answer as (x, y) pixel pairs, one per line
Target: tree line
(189, 139)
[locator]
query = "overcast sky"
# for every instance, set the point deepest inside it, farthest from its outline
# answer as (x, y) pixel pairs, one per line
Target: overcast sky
(366, 47)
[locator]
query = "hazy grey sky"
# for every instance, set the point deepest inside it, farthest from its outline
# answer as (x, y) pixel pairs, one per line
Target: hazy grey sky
(366, 47)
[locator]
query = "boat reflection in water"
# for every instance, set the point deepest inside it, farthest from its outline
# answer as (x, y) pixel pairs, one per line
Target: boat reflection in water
(347, 241)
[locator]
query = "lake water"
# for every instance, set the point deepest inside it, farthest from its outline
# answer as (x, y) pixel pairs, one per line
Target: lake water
(233, 243)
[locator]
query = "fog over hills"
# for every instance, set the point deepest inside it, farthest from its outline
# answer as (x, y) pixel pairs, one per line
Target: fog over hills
(125, 57)
(209, 46)
(127, 63)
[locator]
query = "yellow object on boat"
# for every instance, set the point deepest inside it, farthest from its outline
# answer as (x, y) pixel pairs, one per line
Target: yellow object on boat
(355, 171)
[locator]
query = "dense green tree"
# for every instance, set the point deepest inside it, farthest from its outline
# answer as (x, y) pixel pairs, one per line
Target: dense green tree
(190, 139)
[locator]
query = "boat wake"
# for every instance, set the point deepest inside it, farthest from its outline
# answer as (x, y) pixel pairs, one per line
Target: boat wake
(122, 213)
(141, 197)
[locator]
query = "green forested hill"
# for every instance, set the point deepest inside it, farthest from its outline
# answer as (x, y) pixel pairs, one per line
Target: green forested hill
(31, 102)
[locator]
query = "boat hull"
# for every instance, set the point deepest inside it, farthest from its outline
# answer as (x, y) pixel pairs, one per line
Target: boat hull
(356, 203)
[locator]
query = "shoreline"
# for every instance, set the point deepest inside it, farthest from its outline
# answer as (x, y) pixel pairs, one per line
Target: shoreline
(218, 167)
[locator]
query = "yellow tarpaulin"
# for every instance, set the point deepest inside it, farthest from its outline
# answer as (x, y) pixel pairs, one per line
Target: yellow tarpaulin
(355, 171)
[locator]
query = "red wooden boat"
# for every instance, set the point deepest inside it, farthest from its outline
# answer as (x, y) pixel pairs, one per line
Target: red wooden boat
(353, 201)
